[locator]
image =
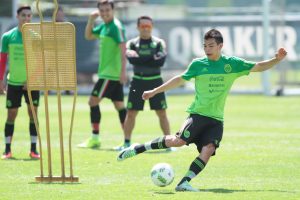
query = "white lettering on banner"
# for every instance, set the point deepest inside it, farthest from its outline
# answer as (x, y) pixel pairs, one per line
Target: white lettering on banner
(242, 41)
(288, 40)
(197, 44)
(272, 42)
(180, 45)
(259, 40)
(228, 48)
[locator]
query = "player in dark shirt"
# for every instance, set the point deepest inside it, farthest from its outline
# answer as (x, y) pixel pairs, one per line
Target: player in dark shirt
(147, 54)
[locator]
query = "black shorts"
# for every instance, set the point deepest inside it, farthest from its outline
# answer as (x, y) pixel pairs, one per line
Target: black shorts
(109, 89)
(14, 96)
(201, 131)
(137, 88)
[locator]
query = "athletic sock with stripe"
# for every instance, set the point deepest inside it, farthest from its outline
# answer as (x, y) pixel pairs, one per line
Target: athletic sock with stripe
(196, 167)
(158, 143)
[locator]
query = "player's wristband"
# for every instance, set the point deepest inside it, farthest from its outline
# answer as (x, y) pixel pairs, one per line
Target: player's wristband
(3, 60)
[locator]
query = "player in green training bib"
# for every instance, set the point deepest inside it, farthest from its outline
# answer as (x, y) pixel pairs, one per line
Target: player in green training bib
(214, 75)
(12, 47)
(112, 66)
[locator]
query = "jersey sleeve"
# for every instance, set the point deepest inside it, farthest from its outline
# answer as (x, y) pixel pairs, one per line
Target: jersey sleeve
(160, 54)
(129, 45)
(4, 43)
(118, 33)
(243, 66)
(96, 31)
(163, 47)
(190, 72)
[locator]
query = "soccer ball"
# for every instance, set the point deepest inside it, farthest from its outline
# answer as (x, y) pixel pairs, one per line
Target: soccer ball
(162, 174)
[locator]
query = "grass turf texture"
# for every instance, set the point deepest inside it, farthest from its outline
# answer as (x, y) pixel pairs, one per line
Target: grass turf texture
(259, 157)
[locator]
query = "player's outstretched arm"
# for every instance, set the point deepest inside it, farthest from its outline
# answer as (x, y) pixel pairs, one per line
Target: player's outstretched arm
(267, 64)
(170, 84)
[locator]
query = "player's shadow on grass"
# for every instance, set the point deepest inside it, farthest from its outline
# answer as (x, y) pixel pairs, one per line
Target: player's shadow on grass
(224, 191)
(111, 149)
(100, 149)
(163, 151)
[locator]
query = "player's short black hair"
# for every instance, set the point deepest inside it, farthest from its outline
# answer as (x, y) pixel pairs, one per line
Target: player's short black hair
(23, 7)
(144, 17)
(103, 2)
(214, 34)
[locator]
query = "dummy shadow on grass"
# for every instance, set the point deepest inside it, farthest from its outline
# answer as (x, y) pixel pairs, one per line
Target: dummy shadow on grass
(54, 183)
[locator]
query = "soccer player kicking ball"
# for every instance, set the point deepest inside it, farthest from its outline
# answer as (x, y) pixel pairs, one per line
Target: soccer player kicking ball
(214, 75)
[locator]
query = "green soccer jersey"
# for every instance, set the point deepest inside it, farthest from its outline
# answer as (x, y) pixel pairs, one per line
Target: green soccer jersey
(110, 62)
(12, 44)
(213, 80)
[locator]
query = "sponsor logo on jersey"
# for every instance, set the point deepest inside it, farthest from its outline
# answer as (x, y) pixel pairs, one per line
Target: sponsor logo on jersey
(204, 69)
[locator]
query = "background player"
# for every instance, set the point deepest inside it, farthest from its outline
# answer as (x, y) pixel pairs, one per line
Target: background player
(112, 66)
(147, 54)
(12, 47)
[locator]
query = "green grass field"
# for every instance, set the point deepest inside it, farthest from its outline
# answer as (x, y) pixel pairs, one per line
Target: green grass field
(259, 157)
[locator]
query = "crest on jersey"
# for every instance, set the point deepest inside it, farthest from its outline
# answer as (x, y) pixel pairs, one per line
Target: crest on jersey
(227, 68)
(153, 44)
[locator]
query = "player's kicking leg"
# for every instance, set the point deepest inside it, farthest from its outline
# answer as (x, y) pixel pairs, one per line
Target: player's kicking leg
(158, 143)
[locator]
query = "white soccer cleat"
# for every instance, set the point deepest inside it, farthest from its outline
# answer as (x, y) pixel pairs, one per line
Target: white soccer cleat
(127, 153)
(186, 187)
